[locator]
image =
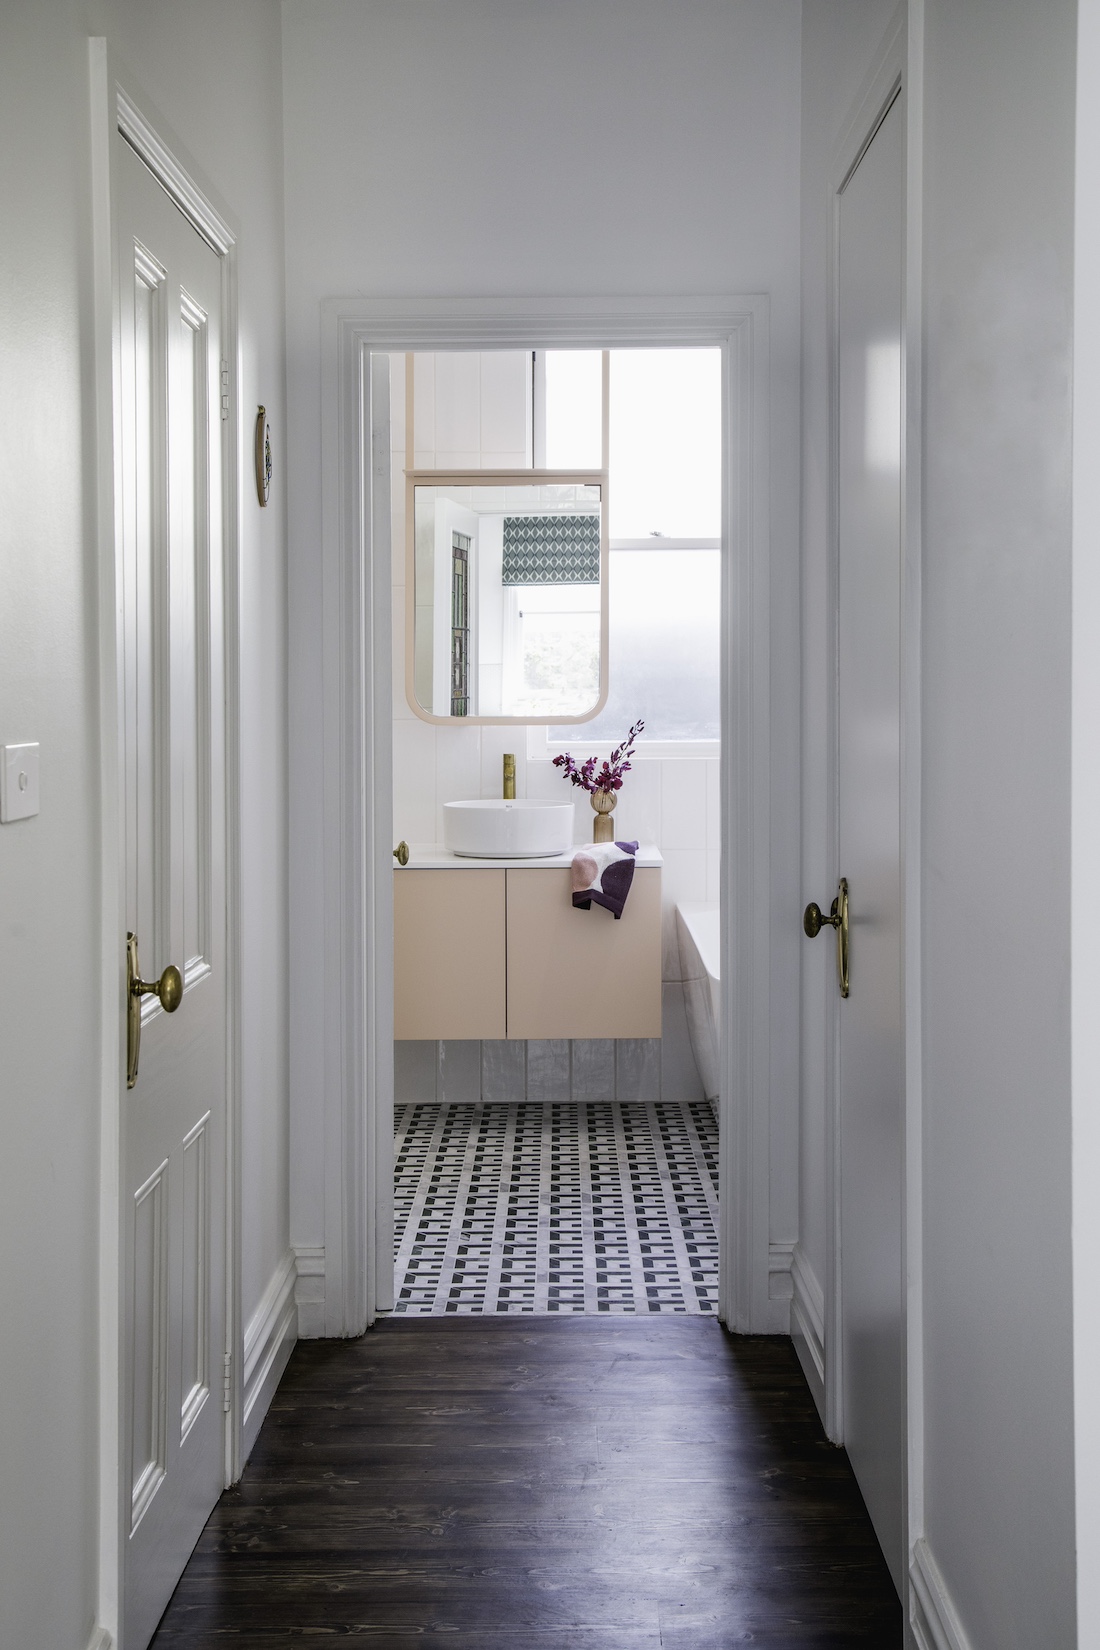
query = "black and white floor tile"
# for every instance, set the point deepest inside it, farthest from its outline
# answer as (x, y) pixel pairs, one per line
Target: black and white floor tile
(586, 1207)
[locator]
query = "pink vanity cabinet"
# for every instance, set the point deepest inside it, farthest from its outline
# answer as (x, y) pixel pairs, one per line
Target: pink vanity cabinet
(494, 951)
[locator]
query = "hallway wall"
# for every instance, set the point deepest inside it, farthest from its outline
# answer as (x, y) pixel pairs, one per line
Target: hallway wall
(596, 146)
(49, 1092)
(212, 68)
(998, 228)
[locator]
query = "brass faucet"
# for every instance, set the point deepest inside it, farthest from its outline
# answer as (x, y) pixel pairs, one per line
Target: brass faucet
(509, 778)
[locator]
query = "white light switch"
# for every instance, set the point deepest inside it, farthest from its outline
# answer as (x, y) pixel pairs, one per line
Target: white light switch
(18, 782)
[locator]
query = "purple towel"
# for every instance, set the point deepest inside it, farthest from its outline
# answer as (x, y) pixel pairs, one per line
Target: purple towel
(603, 871)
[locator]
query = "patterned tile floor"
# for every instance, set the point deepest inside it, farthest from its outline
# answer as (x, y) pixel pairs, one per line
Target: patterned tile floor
(587, 1207)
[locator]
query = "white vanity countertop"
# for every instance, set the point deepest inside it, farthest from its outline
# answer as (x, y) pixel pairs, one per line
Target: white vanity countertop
(432, 856)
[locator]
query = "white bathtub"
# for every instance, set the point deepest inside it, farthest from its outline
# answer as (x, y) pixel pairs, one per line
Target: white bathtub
(697, 936)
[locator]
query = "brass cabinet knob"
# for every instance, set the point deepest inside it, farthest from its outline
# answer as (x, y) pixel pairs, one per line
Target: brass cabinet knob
(814, 920)
(401, 853)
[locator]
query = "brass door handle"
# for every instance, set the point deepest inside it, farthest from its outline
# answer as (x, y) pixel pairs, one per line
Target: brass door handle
(168, 990)
(401, 853)
(814, 920)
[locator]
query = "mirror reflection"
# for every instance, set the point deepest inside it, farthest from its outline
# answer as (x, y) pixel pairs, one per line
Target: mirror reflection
(510, 599)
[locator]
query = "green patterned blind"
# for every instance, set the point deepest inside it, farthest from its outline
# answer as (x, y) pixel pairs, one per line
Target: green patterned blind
(552, 549)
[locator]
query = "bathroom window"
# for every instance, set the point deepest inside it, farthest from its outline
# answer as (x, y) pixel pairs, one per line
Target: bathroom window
(665, 518)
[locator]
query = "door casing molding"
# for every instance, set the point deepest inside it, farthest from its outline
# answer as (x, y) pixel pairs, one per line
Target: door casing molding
(356, 746)
(896, 72)
(119, 107)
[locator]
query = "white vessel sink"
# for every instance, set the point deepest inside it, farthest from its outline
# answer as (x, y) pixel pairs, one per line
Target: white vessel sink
(494, 829)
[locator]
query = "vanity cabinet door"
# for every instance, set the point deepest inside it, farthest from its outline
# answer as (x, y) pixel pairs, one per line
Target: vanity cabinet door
(448, 954)
(580, 973)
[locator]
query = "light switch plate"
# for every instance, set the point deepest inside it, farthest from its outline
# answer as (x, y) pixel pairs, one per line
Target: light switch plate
(18, 782)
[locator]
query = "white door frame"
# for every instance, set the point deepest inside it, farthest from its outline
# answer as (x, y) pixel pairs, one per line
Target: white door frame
(117, 107)
(357, 808)
(897, 70)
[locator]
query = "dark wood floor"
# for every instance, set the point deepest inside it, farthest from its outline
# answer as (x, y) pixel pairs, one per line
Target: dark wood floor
(515, 1484)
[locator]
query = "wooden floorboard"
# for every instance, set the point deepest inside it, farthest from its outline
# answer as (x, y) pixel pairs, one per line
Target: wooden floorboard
(519, 1484)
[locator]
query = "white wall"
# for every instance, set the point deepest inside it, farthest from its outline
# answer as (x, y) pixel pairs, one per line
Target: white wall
(998, 236)
(617, 146)
(49, 1092)
(1086, 825)
(212, 68)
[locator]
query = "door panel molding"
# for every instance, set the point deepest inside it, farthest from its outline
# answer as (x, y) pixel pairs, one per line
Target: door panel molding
(354, 886)
(897, 71)
(118, 107)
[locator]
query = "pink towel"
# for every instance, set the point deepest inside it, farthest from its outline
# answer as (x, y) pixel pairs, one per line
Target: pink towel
(603, 871)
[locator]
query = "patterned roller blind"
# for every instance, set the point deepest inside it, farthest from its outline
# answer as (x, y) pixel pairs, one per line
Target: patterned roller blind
(552, 549)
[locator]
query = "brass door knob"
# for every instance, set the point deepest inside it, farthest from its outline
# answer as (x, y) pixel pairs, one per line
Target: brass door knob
(401, 853)
(168, 990)
(814, 920)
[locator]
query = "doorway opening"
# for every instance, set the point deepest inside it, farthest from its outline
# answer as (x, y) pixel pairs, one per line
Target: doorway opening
(556, 1154)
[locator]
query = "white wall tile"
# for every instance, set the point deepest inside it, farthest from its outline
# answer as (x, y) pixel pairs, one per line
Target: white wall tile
(457, 458)
(424, 409)
(458, 768)
(460, 1071)
(503, 460)
(494, 742)
(638, 810)
(402, 710)
(414, 780)
(714, 807)
(683, 804)
(397, 406)
(457, 401)
(685, 875)
(505, 402)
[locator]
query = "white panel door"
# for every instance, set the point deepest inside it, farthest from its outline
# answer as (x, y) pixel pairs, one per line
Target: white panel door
(173, 1118)
(869, 776)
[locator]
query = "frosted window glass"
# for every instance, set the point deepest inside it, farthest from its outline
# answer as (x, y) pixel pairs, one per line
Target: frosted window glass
(664, 648)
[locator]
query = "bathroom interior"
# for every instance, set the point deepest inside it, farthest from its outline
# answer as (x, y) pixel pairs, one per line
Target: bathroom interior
(556, 547)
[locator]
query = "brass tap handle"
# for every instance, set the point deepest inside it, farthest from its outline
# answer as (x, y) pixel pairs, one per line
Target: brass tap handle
(509, 792)
(401, 853)
(168, 990)
(814, 920)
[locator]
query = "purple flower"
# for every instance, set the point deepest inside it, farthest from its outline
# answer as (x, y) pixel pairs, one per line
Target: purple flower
(610, 776)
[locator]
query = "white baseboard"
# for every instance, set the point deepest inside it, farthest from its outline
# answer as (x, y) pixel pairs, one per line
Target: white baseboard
(808, 1325)
(100, 1639)
(309, 1292)
(268, 1342)
(935, 1621)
